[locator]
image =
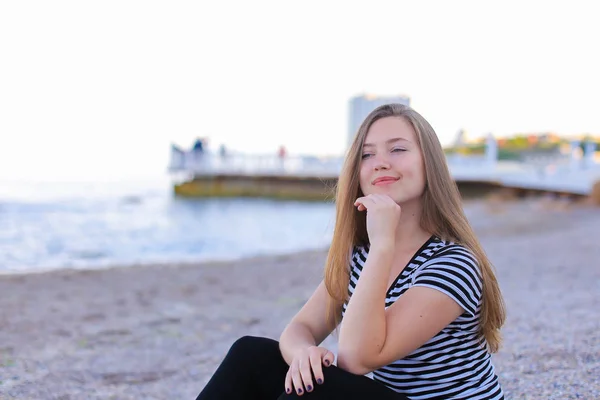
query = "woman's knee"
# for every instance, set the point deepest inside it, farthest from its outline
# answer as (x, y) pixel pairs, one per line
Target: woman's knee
(253, 346)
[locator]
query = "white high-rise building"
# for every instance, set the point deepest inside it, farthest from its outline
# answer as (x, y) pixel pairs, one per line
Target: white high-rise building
(361, 106)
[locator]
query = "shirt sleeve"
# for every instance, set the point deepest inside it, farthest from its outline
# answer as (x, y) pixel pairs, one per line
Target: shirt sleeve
(455, 272)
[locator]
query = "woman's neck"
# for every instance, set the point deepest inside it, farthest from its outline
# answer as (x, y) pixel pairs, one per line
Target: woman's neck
(409, 233)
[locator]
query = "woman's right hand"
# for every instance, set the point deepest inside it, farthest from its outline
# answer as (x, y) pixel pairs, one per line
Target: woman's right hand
(306, 364)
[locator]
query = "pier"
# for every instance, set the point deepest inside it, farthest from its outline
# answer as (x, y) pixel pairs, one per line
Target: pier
(314, 178)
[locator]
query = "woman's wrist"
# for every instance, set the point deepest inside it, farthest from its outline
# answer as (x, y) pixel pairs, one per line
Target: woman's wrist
(382, 247)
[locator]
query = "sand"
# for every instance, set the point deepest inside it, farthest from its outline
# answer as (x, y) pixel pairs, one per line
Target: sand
(158, 332)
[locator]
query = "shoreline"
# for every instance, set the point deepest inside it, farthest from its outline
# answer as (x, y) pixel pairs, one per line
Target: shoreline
(153, 264)
(159, 331)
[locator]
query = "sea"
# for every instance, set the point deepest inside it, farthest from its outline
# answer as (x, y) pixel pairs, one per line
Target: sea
(89, 225)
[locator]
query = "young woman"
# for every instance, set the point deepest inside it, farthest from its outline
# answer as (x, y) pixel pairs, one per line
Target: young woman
(407, 285)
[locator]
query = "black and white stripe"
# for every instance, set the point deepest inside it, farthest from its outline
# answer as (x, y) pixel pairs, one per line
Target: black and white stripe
(455, 363)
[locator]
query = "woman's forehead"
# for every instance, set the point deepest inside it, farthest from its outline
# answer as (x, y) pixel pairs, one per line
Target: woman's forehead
(389, 129)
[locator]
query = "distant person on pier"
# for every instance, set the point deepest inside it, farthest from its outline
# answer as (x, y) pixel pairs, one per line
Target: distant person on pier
(199, 150)
(407, 286)
(282, 153)
(198, 146)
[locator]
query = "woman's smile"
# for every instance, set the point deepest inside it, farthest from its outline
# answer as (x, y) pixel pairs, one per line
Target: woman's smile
(384, 180)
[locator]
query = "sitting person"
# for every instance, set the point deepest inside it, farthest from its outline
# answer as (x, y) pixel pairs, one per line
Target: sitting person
(407, 286)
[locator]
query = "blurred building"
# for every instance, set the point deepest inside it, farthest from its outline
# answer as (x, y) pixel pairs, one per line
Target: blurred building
(361, 106)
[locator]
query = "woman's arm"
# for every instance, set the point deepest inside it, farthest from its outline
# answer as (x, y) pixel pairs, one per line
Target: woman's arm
(363, 329)
(309, 327)
(371, 336)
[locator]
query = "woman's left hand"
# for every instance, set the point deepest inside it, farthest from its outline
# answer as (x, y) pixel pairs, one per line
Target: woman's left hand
(383, 216)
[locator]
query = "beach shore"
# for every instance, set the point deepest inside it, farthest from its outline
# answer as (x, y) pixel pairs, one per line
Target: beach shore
(158, 332)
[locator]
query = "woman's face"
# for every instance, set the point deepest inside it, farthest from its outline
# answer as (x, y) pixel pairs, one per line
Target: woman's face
(392, 162)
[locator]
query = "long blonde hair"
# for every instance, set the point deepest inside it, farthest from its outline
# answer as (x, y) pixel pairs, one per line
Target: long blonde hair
(442, 215)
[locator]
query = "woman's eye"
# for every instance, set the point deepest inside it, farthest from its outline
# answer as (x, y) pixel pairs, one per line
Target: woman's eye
(365, 156)
(397, 149)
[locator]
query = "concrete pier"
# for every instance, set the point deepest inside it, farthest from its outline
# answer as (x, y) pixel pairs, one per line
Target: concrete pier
(279, 187)
(312, 178)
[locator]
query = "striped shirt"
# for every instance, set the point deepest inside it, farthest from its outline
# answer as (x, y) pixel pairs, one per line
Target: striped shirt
(455, 363)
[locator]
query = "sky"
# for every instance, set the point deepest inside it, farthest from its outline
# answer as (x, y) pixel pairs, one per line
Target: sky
(99, 90)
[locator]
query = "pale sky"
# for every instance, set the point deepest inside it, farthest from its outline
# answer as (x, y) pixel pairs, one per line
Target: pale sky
(90, 90)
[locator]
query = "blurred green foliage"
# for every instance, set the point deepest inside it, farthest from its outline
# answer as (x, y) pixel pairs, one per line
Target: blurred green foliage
(511, 148)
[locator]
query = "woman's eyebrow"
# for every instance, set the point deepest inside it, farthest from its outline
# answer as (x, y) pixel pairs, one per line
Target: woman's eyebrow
(389, 141)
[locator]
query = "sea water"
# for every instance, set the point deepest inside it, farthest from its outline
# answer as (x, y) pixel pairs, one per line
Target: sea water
(82, 225)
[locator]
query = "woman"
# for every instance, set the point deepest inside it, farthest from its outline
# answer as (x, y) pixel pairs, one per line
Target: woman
(407, 285)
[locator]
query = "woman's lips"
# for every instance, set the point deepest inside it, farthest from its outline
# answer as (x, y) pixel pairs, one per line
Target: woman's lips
(384, 181)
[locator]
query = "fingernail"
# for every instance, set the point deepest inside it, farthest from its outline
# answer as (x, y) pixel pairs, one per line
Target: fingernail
(309, 388)
(299, 391)
(288, 390)
(319, 381)
(327, 362)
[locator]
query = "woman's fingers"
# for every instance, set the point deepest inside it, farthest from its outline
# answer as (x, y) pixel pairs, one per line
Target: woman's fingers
(306, 374)
(297, 379)
(372, 201)
(363, 203)
(307, 365)
(289, 387)
(328, 358)
(317, 368)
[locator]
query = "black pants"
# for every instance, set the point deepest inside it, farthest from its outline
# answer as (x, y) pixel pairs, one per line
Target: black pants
(255, 369)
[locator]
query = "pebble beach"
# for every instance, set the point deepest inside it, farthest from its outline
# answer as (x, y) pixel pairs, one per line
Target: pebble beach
(159, 331)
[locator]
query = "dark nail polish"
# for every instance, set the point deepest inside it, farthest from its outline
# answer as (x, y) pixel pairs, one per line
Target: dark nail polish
(319, 381)
(288, 390)
(327, 362)
(309, 388)
(299, 391)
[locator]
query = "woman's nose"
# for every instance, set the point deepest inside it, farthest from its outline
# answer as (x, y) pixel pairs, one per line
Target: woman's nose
(381, 162)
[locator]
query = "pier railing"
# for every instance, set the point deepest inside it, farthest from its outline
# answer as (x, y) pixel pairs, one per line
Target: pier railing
(207, 164)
